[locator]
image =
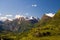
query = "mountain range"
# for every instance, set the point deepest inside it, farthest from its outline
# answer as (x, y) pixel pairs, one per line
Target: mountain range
(22, 23)
(25, 28)
(18, 24)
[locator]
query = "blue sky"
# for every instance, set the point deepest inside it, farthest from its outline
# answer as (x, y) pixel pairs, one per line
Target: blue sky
(28, 7)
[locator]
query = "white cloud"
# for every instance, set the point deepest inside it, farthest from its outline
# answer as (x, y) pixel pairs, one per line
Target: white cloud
(34, 5)
(50, 14)
(8, 15)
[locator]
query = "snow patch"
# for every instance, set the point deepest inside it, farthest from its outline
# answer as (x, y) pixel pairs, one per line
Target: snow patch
(50, 14)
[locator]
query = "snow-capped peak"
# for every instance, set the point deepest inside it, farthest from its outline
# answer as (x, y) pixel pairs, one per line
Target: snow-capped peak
(18, 16)
(31, 17)
(10, 19)
(3, 18)
(50, 14)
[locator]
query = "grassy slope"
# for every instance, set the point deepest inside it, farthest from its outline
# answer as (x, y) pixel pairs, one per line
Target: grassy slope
(52, 26)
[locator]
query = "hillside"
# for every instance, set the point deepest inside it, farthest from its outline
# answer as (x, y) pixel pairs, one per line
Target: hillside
(48, 28)
(50, 31)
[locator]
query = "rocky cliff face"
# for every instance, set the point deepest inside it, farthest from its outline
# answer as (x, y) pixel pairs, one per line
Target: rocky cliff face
(19, 24)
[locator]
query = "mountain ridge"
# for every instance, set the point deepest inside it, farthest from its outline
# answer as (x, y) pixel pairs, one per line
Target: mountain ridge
(52, 28)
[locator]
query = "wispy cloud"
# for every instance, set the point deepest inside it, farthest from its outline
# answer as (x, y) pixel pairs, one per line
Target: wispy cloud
(34, 5)
(9, 15)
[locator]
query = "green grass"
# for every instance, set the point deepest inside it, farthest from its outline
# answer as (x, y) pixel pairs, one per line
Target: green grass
(42, 38)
